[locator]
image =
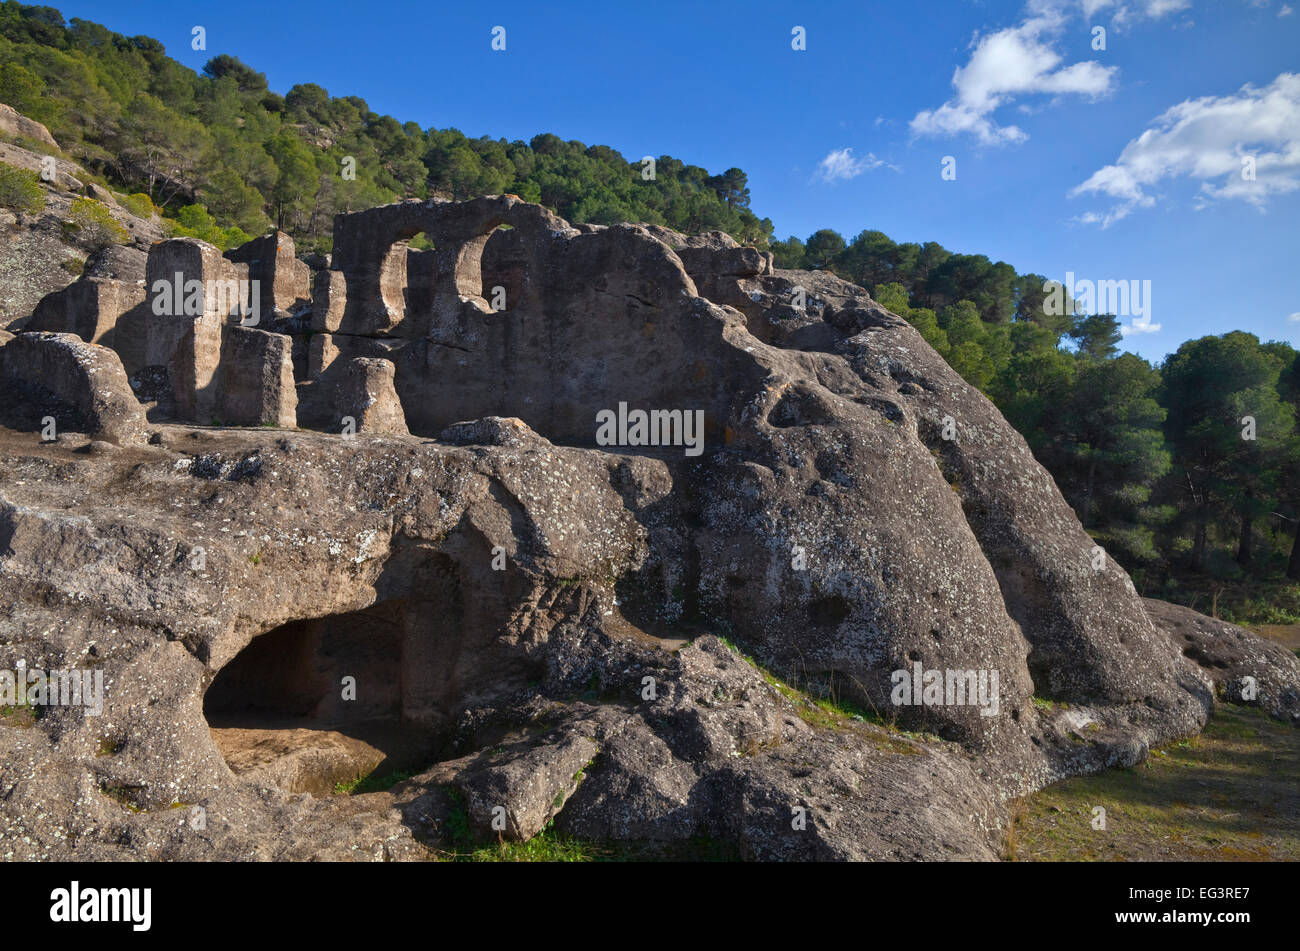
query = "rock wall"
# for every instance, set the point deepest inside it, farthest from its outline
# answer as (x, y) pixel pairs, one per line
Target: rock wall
(528, 595)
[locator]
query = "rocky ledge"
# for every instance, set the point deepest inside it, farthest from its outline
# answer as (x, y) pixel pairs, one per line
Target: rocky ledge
(852, 625)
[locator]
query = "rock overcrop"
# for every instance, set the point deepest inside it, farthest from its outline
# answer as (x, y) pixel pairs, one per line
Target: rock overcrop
(606, 527)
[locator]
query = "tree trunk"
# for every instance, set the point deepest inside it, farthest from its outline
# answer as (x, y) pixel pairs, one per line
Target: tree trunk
(1246, 538)
(1293, 567)
(1198, 546)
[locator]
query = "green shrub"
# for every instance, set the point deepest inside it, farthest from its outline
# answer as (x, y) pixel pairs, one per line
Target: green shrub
(194, 221)
(20, 190)
(94, 224)
(139, 204)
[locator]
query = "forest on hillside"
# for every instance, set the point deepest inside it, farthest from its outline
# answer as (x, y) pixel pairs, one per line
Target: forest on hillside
(1187, 472)
(255, 158)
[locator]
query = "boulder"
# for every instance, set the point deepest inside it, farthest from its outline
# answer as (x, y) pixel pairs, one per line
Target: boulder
(364, 393)
(81, 385)
(67, 176)
(100, 194)
(16, 124)
(192, 291)
(1242, 667)
(89, 307)
(118, 262)
(255, 385)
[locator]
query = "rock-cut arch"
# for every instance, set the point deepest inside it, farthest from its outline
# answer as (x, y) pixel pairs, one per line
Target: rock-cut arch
(383, 294)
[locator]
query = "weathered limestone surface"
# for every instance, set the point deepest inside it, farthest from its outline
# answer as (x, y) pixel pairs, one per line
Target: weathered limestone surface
(90, 308)
(82, 386)
(1227, 655)
(14, 123)
(256, 384)
(531, 615)
(328, 300)
(284, 282)
(365, 393)
(104, 305)
(39, 254)
(183, 326)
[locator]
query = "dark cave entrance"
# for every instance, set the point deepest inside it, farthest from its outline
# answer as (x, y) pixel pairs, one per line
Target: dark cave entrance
(323, 701)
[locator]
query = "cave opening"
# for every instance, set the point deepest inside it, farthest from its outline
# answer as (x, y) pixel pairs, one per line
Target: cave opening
(318, 703)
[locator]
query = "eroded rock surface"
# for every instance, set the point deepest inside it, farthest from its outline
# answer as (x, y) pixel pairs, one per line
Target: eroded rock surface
(39, 253)
(479, 590)
(78, 386)
(1243, 667)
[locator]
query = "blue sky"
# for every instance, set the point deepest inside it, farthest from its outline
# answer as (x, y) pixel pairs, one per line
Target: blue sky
(1115, 164)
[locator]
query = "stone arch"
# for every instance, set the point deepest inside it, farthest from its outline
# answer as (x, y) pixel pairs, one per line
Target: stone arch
(407, 276)
(364, 250)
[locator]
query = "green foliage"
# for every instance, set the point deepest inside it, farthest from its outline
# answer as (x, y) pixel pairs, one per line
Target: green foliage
(789, 253)
(139, 204)
(1106, 449)
(1153, 460)
(371, 782)
(223, 139)
(94, 225)
(21, 88)
(1098, 336)
(20, 190)
(193, 221)
(547, 846)
(1232, 436)
(822, 249)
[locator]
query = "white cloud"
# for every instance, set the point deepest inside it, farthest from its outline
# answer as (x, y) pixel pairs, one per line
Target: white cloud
(1140, 325)
(1126, 14)
(1286, 10)
(1295, 316)
(1155, 9)
(840, 165)
(1208, 140)
(1119, 10)
(1091, 7)
(1017, 61)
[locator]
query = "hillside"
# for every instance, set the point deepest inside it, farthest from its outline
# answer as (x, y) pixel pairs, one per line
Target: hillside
(254, 156)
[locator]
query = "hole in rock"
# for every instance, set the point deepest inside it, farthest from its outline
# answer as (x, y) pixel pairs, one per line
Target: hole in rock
(491, 267)
(828, 612)
(406, 276)
(798, 408)
(323, 701)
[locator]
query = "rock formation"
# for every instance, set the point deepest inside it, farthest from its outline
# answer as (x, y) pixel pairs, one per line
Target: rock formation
(513, 577)
(40, 254)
